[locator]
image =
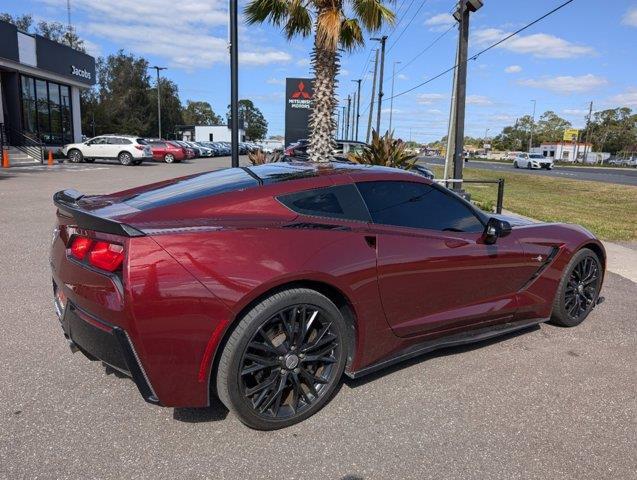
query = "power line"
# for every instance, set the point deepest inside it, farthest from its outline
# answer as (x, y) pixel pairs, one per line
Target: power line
(407, 26)
(493, 45)
(436, 40)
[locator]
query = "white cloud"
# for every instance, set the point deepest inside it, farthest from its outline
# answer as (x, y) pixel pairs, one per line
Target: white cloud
(630, 17)
(440, 21)
(541, 45)
(479, 100)
(626, 99)
(513, 69)
(402, 76)
(429, 98)
(566, 84)
(303, 62)
(182, 36)
(434, 111)
(275, 81)
(344, 72)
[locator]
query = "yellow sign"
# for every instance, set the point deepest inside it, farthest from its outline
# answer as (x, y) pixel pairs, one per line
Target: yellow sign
(571, 134)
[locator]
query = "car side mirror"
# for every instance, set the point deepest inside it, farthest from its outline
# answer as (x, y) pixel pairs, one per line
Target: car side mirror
(495, 229)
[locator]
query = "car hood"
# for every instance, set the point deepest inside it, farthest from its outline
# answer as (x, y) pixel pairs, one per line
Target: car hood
(515, 221)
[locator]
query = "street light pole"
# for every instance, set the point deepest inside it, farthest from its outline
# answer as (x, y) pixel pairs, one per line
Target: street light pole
(382, 41)
(158, 69)
(234, 83)
(532, 126)
(358, 106)
(391, 100)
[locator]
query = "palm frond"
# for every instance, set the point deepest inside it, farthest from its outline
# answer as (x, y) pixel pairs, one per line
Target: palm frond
(274, 11)
(386, 151)
(299, 20)
(373, 13)
(351, 34)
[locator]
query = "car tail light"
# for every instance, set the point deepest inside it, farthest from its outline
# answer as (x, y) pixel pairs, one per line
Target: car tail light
(80, 246)
(105, 255)
(140, 147)
(99, 253)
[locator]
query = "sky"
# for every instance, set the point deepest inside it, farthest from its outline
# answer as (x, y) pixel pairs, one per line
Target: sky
(585, 52)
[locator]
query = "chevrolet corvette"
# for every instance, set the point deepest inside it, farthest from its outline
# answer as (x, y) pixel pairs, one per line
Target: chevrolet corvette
(261, 286)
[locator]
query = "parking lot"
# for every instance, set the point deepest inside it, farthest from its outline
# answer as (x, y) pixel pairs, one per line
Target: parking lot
(545, 403)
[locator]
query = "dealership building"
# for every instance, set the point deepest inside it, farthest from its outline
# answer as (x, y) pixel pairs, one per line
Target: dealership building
(40, 85)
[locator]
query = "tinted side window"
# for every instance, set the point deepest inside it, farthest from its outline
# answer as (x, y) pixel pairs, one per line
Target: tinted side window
(342, 201)
(416, 205)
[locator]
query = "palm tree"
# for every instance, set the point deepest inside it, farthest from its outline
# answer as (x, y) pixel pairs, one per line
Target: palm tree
(333, 30)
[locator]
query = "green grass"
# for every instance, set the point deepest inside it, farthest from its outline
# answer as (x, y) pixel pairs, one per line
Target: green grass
(607, 210)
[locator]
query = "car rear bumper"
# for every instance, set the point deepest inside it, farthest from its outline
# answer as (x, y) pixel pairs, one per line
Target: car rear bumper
(99, 340)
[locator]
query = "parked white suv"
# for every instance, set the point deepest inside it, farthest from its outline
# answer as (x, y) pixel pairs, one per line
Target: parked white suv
(126, 149)
(532, 160)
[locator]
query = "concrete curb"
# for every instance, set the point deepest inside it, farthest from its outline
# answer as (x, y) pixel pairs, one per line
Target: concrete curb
(620, 260)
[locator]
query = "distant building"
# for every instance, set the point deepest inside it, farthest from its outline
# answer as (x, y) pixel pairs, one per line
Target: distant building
(566, 151)
(207, 133)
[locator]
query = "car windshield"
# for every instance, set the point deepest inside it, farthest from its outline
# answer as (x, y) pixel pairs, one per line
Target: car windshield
(536, 155)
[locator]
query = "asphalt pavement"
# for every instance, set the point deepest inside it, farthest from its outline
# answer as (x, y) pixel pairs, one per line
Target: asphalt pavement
(546, 403)
(623, 176)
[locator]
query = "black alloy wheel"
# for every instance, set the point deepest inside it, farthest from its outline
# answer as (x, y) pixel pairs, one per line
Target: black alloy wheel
(289, 361)
(283, 360)
(579, 289)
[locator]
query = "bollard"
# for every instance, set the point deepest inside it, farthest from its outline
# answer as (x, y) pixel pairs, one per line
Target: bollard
(50, 158)
(5, 159)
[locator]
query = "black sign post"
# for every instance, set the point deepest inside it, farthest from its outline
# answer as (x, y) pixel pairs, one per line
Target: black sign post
(298, 105)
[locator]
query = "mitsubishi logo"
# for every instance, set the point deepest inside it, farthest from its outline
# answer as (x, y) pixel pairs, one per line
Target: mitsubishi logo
(301, 93)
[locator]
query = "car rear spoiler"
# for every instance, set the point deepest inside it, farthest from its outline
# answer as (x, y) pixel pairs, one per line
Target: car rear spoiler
(66, 202)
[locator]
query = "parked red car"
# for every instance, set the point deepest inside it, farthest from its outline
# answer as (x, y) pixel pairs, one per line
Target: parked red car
(262, 285)
(169, 152)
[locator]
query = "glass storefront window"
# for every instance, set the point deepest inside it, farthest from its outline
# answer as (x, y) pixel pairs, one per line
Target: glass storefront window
(46, 110)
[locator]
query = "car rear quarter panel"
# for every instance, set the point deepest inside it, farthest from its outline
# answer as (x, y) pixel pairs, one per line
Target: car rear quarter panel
(239, 266)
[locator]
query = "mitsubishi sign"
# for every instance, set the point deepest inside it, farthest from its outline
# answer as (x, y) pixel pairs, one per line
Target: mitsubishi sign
(298, 105)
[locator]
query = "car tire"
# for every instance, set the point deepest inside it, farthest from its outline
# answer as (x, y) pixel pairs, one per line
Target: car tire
(137, 162)
(529, 166)
(125, 159)
(89, 160)
(169, 158)
(75, 156)
(515, 165)
(265, 374)
(578, 290)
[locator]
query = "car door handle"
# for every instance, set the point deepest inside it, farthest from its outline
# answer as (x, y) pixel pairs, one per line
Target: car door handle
(371, 240)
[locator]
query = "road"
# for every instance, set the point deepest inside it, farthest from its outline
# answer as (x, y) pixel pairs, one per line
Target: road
(546, 403)
(623, 176)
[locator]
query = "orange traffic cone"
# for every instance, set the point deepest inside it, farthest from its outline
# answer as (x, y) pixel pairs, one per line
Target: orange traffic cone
(5, 159)
(50, 158)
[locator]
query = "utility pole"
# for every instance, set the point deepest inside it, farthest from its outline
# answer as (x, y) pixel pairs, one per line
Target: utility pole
(391, 100)
(343, 122)
(382, 41)
(158, 69)
(351, 133)
(462, 15)
(349, 106)
(358, 107)
(70, 25)
(587, 131)
(338, 120)
(371, 102)
(451, 130)
(234, 82)
(532, 126)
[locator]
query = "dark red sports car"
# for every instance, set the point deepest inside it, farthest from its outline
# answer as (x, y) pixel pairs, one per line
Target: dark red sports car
(262, 285)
